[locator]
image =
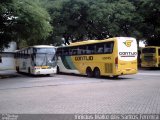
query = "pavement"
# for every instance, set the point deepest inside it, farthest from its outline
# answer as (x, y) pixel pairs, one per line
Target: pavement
(70, 94)
(7, 74)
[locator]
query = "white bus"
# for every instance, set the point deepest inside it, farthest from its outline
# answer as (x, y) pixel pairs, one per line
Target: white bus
(40, 59)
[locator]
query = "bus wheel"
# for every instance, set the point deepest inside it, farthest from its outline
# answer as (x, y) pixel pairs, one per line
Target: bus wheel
(58, 72)
(97, 72)
(17, 69)
(89, 72)
(29, 71)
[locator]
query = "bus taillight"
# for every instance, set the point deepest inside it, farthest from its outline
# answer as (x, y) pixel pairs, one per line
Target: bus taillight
(116, 60)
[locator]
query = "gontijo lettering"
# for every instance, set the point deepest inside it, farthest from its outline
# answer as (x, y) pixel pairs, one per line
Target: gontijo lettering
(79, 58)
(127, 54)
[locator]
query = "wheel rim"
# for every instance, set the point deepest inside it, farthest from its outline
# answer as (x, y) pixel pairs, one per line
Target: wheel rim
(97, 73)
(89, 72)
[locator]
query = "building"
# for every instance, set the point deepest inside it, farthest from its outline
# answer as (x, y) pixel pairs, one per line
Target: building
(7, 57)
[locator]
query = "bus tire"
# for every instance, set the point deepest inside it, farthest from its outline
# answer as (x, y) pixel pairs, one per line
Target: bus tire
(89, 72)
(58, 72)
(17, 69)
(29, 71)
(115, 76)
(97, 72)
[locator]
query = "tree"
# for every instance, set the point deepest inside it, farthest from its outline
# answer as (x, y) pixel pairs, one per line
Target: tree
(77, 20)
(87, 19)
(23, 20)
(150, 26)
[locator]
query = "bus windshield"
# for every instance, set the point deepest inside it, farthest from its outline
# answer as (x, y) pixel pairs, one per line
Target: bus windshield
(44, 57)
(148, 50)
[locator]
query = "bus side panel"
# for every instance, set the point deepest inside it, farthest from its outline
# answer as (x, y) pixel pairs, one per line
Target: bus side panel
(105, 63)
(66, 65)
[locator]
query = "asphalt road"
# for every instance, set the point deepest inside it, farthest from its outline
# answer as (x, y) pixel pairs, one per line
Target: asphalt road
(70, 94)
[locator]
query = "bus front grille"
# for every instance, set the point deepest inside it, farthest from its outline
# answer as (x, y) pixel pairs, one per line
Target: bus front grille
(108, 68)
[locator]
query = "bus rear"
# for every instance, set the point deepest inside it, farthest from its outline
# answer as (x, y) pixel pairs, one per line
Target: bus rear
(126, 59)
(150, 57)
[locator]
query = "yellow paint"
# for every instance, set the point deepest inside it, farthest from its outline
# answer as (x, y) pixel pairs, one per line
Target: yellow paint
(105, 62)
(153, 61)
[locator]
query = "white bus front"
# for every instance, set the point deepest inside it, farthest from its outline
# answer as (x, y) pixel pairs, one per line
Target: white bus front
(43, 61)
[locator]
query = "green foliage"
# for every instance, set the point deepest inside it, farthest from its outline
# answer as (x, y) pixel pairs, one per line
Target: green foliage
(23, 20)
(89, 19)
(76, 20)
(5, 23)
(150, 27)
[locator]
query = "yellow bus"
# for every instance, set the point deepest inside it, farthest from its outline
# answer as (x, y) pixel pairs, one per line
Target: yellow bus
(150, 56)
(110, 57)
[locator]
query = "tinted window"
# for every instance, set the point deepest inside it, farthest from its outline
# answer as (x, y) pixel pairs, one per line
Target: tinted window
(65, 51)
(108, 47)
(82, 50)
(59, 51)
(100, 48)
(104, 48)
(148, 50)
(91, 49)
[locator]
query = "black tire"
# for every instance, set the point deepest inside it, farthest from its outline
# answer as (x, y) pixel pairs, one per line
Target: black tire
(115, 76)
(29, 71)
(89, 72)
(97, 73)
(58, 72)
(17, 69)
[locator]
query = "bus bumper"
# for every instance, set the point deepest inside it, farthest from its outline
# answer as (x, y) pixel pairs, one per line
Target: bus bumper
(44, 71)
(128, 71)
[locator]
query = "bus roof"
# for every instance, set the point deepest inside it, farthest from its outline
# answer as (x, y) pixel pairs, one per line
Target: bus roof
(90, 42)
(93, 41)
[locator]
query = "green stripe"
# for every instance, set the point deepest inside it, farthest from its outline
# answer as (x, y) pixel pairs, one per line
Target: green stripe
(67, 62)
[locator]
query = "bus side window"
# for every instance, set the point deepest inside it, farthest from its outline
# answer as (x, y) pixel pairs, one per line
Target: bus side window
(91, 49)
(82, 50)
(100, 48)
(108, 47)
(59, 52)
(66, 51)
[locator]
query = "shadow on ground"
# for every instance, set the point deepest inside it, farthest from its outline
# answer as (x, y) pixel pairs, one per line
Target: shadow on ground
(102, 77)
(8, 76)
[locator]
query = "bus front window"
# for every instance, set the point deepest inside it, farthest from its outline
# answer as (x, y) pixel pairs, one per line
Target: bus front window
(45, 57)
(149, 50)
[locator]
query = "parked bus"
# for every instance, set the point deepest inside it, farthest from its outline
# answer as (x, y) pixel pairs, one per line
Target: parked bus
(150, 56)
(40, 59)
(94, 58)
